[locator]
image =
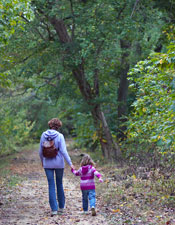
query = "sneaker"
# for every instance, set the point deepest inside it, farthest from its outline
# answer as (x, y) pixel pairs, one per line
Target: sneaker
(93, 211)
(85, 212)
(54, 213)
(61, 210)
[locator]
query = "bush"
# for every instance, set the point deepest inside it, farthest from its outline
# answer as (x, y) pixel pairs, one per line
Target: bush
(152, 119)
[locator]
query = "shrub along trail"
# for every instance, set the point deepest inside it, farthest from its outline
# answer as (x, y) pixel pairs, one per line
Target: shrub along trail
(123, 198)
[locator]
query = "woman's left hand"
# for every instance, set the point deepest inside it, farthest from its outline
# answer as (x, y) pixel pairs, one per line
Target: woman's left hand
(72, 167)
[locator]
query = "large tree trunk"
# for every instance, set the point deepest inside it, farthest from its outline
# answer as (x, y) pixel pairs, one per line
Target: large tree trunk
(110, 149)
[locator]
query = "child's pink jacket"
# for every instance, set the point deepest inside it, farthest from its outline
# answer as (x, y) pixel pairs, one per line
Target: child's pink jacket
(87, 176)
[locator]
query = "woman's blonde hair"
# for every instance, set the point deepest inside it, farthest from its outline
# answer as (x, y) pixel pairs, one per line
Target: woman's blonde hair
(86, 160)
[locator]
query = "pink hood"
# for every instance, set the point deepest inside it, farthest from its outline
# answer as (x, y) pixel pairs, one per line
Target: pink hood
(85, 169)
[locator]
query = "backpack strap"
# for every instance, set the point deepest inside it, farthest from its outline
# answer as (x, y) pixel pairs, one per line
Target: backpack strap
(49, 139)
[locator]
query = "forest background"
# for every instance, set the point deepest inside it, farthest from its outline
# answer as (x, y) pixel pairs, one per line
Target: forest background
(105, 68)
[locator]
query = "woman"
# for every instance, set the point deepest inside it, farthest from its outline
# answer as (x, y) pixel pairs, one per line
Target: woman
(55, 165)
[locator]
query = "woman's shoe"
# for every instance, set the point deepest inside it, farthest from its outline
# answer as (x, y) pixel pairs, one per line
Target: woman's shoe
(61, 210)
(54, 213)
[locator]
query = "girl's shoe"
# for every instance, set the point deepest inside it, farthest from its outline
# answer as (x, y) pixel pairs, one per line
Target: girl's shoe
(93, 211)
(85, 212)
(54, 213)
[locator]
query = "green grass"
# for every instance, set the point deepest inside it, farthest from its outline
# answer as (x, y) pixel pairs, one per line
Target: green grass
(14, 180)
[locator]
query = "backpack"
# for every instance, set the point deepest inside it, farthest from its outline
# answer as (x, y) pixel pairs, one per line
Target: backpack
(49, 149)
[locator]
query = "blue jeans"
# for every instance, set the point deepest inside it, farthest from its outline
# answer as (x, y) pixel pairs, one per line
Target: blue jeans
(59, 185)
(88, 195)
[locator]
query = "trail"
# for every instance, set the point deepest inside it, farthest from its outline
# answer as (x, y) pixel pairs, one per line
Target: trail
(122, 199)
(27, 202)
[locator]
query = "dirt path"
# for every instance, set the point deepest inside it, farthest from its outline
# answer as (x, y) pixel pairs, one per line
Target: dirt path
(27, 202)
(123, 199)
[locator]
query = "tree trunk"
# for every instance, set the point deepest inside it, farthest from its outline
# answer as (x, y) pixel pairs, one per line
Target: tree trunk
(110, 149)
(123, 88)
(122, 100)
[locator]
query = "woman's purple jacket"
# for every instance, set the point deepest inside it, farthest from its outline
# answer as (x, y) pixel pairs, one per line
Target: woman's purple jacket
(58, 161)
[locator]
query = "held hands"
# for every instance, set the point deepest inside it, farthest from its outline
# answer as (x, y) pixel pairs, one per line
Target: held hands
(72, 167)
(101, 180)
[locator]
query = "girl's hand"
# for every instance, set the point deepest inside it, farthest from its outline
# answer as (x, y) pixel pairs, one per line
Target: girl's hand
(101, 180)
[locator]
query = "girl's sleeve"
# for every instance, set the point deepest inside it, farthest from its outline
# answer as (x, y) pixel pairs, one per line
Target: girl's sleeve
(76, 172)
(96, 173)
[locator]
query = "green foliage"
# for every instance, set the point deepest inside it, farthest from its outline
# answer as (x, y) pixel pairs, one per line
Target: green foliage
(153, 114)
(77, 122)
(85, 130)
(14, 128)
(11, 13)
(39, 67)
(4, 81)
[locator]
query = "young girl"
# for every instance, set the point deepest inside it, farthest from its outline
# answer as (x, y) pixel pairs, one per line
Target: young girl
(87, 184)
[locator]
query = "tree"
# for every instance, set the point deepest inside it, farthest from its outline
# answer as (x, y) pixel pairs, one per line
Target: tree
(92, 44)
(71, 48)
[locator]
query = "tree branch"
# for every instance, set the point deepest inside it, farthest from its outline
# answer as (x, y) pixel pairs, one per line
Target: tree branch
(137, 1)
(51, 78)
(60, 29)
(96, 78)
(121, 10)
(73, 16)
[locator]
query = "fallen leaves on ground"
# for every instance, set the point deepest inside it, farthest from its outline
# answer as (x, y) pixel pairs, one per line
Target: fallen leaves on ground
(123, 197)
